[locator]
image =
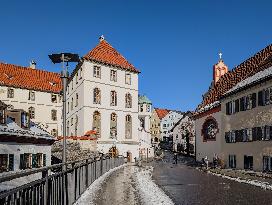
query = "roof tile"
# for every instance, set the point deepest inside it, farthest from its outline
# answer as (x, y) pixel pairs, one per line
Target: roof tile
(105, 53)
(28, 78)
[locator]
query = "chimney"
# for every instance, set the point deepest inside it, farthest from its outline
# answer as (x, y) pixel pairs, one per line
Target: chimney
(32, 64)
(101, 38)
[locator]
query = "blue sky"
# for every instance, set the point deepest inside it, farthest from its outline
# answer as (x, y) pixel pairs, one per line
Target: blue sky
(173, 43)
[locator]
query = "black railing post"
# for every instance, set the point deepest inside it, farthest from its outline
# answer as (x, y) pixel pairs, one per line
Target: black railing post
(46, 187)
(87, 174)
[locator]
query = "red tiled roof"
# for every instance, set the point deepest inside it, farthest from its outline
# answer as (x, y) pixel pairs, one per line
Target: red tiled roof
(28, 78)
(260, 61)
(105, 53)
(162, 112)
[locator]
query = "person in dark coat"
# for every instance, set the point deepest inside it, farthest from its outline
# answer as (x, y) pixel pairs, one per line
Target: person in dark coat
(175, 158)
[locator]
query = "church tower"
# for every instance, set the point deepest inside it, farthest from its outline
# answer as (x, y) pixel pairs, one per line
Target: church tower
(219, 69)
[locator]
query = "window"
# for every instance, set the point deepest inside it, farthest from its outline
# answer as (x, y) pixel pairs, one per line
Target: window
(128, 128)
(25, 161)
(76, 99)
(148, 108)
(80, 74)
(113, 126)
(54, 132)
(72, 85)
(248, 162)
(97, 72)
(141, 108)
(6, 162)
(113, 75)
(72, 104)
(232, 161)
(128, 79)
(31, 95)
(72, 122)
(10, 93)
(39, 158)
(76, 125)
(142, 123)
(25, 120)
(77, 78)
(31, 111)
(3, 163)
(113, 101)
(96, 96)
(2, 116)
(128, 100)
(54, 98)
(54, 115)
(97, 123)
(267, 163)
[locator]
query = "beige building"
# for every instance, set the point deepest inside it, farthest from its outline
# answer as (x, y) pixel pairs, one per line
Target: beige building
(155, 127)
(247, 123)
(35, 91)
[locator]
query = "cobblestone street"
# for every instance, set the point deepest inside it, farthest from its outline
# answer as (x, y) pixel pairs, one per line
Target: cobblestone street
(188, 186)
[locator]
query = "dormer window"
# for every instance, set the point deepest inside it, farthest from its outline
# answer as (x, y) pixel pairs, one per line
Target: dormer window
(52, 83)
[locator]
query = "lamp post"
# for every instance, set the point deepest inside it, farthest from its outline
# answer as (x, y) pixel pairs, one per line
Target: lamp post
(64, 58)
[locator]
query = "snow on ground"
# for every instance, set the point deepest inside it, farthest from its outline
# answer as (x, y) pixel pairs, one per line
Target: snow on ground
(149, 192)
(263, 185)
(90, 194)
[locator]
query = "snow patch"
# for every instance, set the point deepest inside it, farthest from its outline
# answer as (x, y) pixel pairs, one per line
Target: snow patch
(149, 192)
(263, 185)
(90, 194)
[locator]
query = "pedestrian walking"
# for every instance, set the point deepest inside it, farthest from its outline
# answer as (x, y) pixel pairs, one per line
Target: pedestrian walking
(175, 158)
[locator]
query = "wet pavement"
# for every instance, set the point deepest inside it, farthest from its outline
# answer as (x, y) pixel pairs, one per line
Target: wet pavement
(188, 186)
(118, 189)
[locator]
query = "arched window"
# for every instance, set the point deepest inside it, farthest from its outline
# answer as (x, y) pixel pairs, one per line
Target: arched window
(97, 96)
(128, 127)
(97, 123)
(128, 100)
(31, 111)
(113, 126)
(142, 123)
(113, 96)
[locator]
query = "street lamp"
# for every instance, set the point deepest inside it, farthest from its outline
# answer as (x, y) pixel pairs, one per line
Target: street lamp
(64, 58)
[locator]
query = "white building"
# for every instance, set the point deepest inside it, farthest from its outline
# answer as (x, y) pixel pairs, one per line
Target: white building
(103, 96)
(145, 112)
(184, 130)
(168, 122)
(23, 145)
(35, 91)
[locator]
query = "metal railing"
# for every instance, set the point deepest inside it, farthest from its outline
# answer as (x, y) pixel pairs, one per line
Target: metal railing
(58, 187)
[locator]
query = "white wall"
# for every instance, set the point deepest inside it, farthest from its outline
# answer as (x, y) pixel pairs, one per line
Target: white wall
(169, 120)
(86, 107)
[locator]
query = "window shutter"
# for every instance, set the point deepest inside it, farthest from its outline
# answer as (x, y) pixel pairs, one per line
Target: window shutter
(227, 108)
(11, 162)
(242, 104)
(260, 98)
(254, 133)
(44, 160)
(22, 161)
(253, 98)
(237, 105)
